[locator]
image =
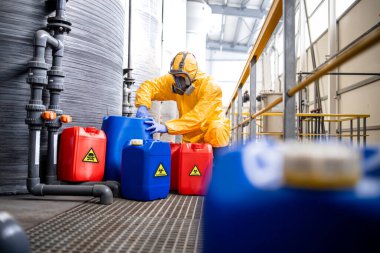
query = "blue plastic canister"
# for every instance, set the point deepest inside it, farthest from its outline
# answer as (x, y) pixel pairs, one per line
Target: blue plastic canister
(240, 217)
(120, 130)
(145, 171)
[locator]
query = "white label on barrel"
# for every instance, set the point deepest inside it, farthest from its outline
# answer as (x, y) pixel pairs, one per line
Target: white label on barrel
(37, 151)
(55, 147)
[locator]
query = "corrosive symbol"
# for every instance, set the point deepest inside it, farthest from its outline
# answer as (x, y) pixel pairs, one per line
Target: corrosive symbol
(160, 172)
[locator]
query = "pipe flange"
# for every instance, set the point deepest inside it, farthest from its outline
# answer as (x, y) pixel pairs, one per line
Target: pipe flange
(57, 111)
(56, 19)
(59, 24)
(35, 107)
(52, 124)
(37, 80)
(55, 87)
(38, 64)
(56, 73)
(38, 122)
(130, 80)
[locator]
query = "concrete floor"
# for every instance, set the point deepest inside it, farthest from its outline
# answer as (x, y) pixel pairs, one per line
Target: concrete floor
(31, 210)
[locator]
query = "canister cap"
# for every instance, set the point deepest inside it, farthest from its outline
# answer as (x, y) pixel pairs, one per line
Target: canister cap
(136, 142)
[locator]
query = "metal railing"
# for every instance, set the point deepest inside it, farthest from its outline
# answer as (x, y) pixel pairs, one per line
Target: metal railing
(309, 126)
(370, 38)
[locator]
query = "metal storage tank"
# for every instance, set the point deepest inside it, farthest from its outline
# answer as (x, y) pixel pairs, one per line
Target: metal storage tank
(92, 62)
(146, 46)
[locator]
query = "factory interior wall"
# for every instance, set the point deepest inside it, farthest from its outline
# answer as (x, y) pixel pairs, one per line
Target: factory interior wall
(363, 100)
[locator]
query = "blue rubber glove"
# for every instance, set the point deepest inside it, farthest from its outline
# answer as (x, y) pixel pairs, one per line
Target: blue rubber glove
(155, 127)
(142, 112)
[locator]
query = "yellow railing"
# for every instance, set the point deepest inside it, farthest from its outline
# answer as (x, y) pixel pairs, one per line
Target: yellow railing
(309, 118)
(271, 21)
(273, 17)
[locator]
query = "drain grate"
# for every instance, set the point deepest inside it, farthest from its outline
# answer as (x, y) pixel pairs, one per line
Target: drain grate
(168, 225)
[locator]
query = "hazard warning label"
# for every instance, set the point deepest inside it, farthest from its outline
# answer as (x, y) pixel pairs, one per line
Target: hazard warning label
(90, 157)
(195, 171)
(160, 172)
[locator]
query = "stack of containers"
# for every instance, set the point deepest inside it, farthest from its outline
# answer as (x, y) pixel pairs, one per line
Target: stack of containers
(82, 154)
(191, 168)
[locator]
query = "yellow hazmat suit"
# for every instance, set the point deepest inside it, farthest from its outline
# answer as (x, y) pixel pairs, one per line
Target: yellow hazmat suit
(201, 115)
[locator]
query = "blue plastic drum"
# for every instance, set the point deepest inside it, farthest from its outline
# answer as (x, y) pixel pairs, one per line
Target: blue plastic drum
(145, 171)
(241, 217)
(120, 130)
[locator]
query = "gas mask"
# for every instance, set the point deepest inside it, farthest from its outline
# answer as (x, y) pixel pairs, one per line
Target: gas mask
(182, 81)
(182, 84)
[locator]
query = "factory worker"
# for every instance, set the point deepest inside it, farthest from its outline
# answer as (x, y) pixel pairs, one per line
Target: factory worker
(199, 102)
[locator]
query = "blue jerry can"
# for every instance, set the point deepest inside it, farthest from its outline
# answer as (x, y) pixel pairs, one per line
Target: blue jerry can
(145, 171)
(241, 217)
(120, 130)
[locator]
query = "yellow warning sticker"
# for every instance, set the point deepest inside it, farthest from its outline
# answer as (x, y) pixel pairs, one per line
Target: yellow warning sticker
(195, 171)
(90, 157)
(160, 172)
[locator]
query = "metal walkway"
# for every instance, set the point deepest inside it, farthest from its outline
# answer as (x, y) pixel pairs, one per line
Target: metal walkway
(168, 225)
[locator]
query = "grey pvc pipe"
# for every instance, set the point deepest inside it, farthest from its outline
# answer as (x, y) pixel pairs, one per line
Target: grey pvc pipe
(42, 39)
(102, 191)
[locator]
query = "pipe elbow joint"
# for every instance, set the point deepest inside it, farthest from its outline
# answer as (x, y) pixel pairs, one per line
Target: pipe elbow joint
(43, 38)
(104, 192)
(40, 38)
(58, 49)
(34, 187)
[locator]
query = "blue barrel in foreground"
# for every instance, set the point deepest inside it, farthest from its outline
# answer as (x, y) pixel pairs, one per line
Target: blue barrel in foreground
(243, 215)
(145, 171)
(120, 130)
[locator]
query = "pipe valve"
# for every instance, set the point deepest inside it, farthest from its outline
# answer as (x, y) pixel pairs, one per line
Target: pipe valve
(66, 118)
(49, 115)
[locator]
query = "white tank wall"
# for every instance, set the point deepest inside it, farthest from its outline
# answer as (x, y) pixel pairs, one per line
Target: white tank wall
(173, 41)
(145, 45)
(198, 16)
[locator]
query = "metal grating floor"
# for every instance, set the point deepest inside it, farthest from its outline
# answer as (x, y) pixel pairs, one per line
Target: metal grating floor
(168, 225)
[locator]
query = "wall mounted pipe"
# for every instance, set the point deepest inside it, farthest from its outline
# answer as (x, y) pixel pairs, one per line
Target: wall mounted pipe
(129, 80)
(55, 86)
(37, 80)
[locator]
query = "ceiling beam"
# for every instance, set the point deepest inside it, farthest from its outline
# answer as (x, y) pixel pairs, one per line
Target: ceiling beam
(216, 45)
(236, 11)
(237, 31)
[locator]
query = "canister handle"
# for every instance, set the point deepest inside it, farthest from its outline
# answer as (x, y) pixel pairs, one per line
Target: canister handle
(197, 146)
(91, 130)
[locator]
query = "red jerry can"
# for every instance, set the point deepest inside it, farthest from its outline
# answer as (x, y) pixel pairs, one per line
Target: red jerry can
(175, 154)
(195, 168)
(82, 154)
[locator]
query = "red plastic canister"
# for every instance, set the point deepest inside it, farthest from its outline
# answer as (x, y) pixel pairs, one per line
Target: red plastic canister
(82, 153)
(175, 154)
(195, 168)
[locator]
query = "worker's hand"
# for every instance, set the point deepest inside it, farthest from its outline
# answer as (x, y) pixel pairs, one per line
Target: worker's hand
(142, 112)
(155, 127)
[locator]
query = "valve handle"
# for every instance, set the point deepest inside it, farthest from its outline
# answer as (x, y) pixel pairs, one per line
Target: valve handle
(66, 118)
(48, 115)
